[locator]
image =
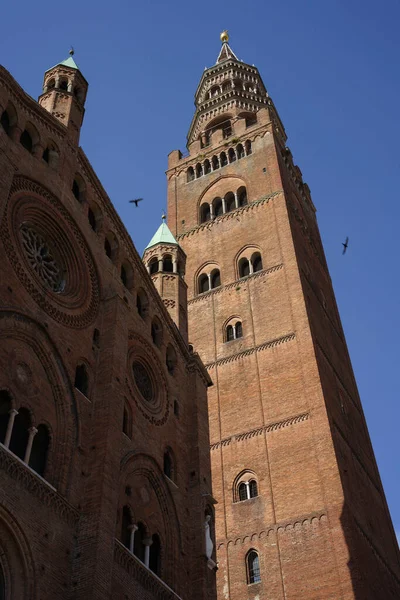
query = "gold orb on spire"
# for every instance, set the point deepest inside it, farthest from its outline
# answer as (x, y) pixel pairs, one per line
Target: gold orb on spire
(224, 37)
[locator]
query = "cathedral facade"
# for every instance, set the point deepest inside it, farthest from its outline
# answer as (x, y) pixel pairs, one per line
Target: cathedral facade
(301, 512)
(105, 483)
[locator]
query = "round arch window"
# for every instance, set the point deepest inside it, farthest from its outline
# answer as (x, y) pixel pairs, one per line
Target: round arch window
(143, 381)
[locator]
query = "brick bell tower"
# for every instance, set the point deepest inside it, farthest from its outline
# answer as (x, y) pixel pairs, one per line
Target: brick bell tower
(301, 513)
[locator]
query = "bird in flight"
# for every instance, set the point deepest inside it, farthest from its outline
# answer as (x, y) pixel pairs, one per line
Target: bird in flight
(345, 244)
(135, 202)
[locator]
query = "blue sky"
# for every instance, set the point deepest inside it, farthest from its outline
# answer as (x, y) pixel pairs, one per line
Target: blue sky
(332, 70)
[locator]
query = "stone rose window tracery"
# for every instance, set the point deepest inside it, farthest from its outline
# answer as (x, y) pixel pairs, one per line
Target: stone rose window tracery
(42, 259)
(143, 381)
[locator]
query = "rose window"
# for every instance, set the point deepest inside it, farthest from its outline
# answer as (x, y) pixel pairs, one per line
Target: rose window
(42, 259)
(143, 381)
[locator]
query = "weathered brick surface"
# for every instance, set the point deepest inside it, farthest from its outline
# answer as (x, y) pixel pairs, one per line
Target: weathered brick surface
(284, 405)
(57, 535)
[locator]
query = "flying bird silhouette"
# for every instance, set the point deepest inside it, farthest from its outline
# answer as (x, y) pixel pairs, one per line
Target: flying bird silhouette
(345, 244)
(135, 202)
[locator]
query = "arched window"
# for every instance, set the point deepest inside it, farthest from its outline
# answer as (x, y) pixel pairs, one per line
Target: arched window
(142, 303)
(51, 84)
(218, 208)
(214, 91)
(253, 567)
(253, 489)
(207, 167)
(138, 545)
(248, 148)
(82, 379)
(5, 122)
(169, 467)
(20, 433)
(244, 267)
(5, 407)
(231, 155)
(127, 420)
(215, 279)
(156, 332)
(63, 85)
(242, 196)
(26, 140)
(168, 266)
(223, 159)
(215, 163)
(155, 555)
(170, 359)
(40, 448)
(229, 202)
(230, 335)
(153, 265)
(238, 330)
(256, 262)
(190, 174)
(204, 284)
(242, 492)
(205, 214)
(199, 170)
(126, 525)
(78, 188)
(240, 151)
(111, 246)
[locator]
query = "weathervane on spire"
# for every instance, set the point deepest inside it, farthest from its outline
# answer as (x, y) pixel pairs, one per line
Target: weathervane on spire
(72, 51)
(163, 216)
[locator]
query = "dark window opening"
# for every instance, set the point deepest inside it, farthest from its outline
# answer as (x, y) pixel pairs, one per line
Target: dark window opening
(242, 196)
(138, 545)
(51, 84)
(20, 433)
(248, 147)
(46, 155)
(238, 330)
(168, 266)
(5, 122)
(242, 492)
(218, 208)
(229, 333)
(76, 190)
(168, 465)
(257, 263)
(230, 202)
(107, 248)
(207, 167)
(126, 527)
(215, 279)
(81, 379)
(253, 567)
(126, 421)
(205, 213)
(215, 163)
(155, 555)
(153, 266)
(244, 267)
(204, 285)
(253, 488)
(92, 219)
(26, 141)
(231, 155)
(40, 448)
(190, 174)
(223, 159)
(124, 276)
(199, 170)
(64, 85)
(240, 151)
(5, 407)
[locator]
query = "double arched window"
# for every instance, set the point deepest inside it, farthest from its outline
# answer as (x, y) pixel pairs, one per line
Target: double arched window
(253, 567)
(247, 490)
(21, 437)
(209, 281)
(136, 538)
(233, 331)
(221, 205)
(249, 266)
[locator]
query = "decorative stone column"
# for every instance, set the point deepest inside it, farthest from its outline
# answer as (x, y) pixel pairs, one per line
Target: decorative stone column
(209, 281)
(246, 482)
(32, 432)
(174, 266)
(223, 206)
(147, 542)
(133, 529)
(211, 211)
(236, 200)
(13, 413)
(160, 265)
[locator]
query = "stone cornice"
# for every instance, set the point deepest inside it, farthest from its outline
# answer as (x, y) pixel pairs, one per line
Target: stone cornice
(235, 284)
(240, 437)
(149, 580)
(229, 215)
(37, 486)
(274, 528)
(265, 346)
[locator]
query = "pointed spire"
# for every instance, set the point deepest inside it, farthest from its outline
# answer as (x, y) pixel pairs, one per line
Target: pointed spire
(68, 62)
(163, 235)
(226, 51)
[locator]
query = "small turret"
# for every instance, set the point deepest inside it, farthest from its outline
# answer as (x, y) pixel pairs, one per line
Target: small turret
(165, 261)
(64, 95)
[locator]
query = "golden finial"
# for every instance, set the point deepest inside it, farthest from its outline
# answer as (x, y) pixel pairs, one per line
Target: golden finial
(224, 37)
